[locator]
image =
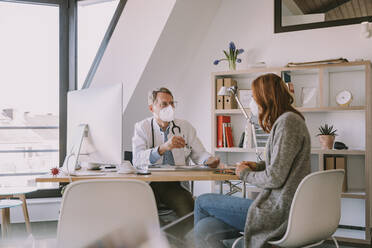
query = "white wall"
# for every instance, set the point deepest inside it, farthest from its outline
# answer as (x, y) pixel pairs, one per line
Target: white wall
(174, 51)
(132, 43)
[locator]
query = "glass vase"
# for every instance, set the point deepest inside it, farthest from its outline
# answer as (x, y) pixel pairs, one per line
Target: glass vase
(232, 65)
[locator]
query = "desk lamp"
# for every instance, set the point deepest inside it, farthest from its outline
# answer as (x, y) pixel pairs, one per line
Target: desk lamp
(232, 91)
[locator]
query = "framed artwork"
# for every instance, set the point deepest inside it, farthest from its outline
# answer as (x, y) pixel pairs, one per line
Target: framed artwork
(245, 97)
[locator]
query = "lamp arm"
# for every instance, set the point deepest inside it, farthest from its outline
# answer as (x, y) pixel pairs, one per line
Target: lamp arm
(249, 119)
(241, 108)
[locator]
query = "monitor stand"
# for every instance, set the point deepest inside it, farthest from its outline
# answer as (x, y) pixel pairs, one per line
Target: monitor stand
(81, 131)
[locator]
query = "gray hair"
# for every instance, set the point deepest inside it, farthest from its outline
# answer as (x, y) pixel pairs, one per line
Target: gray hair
(154, 93)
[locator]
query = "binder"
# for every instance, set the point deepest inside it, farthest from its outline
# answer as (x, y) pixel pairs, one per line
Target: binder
(330, 163)
(229, 137)
(229, 101)
(221, 119)
(341, 164)
(219, 99)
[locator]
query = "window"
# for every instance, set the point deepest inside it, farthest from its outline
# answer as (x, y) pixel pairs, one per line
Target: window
(93, 20)
(36, 71)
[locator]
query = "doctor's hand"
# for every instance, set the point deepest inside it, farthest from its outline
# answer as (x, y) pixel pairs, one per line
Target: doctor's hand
(172, 143)
(212, 162)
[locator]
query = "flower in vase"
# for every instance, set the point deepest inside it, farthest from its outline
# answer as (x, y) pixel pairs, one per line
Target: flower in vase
(231, 56)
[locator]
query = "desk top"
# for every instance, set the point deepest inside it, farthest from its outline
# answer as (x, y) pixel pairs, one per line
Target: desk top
(156, 176)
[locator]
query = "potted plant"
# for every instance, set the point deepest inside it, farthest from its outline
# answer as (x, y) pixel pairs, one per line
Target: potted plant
(326, 136)
(231, 56)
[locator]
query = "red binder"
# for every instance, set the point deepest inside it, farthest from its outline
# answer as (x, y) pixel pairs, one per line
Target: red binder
(229, 137)
(220, 120)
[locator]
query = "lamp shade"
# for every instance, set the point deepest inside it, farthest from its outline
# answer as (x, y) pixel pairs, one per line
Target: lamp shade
(224, 91)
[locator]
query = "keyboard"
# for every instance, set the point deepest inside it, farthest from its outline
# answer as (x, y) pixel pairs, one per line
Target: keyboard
(87, 173)
(180, 168)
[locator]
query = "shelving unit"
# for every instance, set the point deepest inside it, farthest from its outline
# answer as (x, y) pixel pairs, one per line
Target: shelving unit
(354, 125)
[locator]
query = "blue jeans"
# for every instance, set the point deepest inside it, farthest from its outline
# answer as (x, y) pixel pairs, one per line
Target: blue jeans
(218, 217)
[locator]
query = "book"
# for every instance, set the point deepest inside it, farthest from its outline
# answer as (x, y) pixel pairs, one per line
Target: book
(224, 143)
(229, 136)
(319, 62)
(220, 137)
(247, 136)
(241, 141)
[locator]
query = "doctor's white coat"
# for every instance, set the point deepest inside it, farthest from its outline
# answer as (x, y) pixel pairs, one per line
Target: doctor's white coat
(142, 143)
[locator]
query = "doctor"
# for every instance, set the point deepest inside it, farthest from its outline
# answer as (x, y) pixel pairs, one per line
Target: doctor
(162, 139)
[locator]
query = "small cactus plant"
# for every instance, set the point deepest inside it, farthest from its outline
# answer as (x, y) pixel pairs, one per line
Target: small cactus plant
(327, 130)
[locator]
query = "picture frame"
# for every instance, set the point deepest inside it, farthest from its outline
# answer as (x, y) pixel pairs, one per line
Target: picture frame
(245, 97)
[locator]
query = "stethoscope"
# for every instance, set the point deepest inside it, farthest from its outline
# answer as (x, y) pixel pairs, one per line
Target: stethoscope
(174, 126)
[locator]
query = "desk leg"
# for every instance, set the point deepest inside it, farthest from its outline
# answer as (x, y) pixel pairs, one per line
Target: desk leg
(221, 187)
(5, 221)
(244, 190)
(192, 187)
(22, 197)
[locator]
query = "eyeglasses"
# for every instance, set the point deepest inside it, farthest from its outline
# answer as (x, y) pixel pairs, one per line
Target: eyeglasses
(166, 104)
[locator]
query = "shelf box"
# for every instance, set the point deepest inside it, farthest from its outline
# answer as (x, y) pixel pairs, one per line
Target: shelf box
(354, 194)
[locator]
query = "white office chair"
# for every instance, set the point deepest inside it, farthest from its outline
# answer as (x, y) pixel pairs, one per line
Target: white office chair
(315, 211)
(92, 209)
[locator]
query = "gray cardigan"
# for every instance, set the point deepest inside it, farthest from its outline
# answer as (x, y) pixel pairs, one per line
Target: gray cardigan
(287, 163)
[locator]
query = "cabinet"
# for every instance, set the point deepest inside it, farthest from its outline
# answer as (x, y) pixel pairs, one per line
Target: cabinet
(353, 124)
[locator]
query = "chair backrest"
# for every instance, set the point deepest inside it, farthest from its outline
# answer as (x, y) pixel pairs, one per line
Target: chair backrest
(316, 209)
(92, 209)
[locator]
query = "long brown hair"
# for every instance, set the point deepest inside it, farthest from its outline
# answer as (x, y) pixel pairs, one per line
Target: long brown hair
(273, 99)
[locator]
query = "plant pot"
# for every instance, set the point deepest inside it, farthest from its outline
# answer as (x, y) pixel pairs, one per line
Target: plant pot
(326, 141)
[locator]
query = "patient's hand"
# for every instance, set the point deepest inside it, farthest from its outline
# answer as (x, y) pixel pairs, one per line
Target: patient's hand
(240, 168)
(252, 166)
(213, 162)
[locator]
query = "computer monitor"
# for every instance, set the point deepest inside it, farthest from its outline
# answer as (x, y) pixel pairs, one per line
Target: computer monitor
(95, 126)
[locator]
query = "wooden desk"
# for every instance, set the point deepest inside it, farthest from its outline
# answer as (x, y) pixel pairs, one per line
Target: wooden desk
(163, 176)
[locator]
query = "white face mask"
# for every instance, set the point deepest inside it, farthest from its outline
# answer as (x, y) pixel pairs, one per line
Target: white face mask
(254, 107)
(166, 114)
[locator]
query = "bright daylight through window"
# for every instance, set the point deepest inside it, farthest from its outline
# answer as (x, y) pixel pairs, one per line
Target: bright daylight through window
(29, 90)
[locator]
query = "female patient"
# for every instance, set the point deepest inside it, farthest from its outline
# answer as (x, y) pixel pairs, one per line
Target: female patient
(287, 162)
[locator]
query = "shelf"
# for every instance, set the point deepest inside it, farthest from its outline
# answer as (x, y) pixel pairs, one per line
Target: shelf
(351, 235)
(355, 194)
(337, 152)
(313, 151)
(301, 109)
(331, 109)
(229, 111)
(237, 149)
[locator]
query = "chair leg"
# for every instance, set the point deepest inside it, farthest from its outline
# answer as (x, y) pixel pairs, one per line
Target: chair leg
(335, 240)
(25, 212)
